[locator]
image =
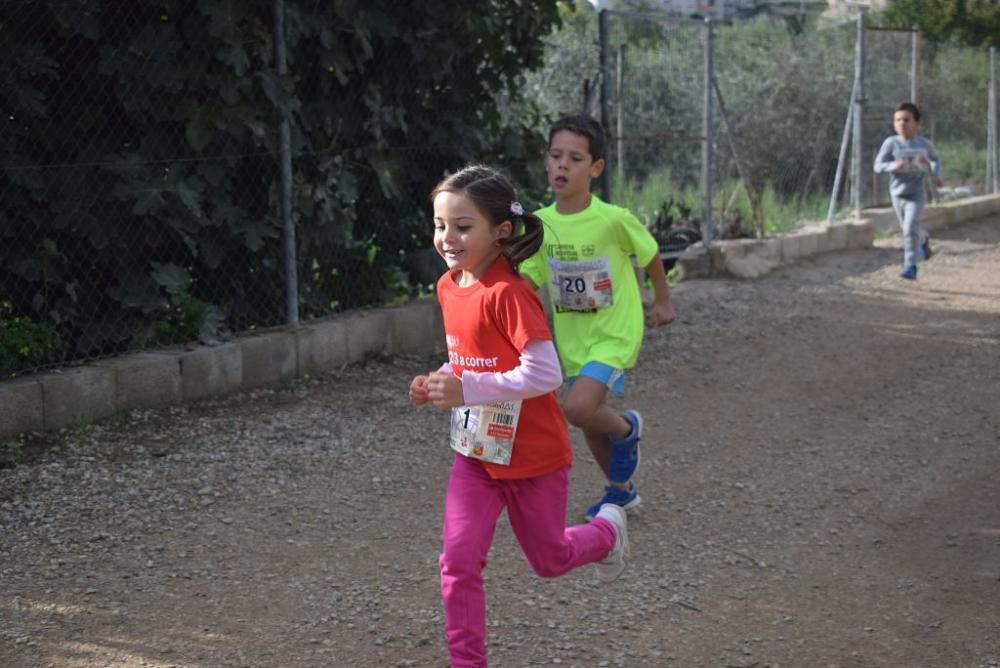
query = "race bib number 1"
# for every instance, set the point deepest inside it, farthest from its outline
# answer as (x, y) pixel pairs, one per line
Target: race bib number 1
(485, 432)
(581, 286)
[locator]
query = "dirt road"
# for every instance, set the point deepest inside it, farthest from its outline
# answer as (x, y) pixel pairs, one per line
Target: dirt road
(820, 485)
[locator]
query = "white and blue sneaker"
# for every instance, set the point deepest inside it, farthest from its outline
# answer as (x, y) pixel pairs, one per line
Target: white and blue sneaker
(613, 565)
(625, 453)
(623, 498)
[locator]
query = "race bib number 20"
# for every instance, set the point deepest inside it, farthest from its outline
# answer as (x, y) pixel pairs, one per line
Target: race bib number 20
(485, 432)
(582, 285)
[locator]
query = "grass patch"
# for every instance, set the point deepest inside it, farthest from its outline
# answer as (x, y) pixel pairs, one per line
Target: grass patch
(963, 164)
(780, 213)
(25, 449)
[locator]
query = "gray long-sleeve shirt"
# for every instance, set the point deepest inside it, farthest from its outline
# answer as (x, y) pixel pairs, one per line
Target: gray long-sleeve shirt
(918, 155)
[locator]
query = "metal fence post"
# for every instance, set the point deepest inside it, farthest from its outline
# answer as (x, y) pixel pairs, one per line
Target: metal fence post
(990, 131)
(842, 155)
(602, 26)
(992, 177)
(620, 129)
(708, 138)
(859, 78)
(285, 175)
(915, 66)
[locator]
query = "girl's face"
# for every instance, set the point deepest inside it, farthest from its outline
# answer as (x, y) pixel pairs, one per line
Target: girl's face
(569, 165)
(906, 127)
(464, 237)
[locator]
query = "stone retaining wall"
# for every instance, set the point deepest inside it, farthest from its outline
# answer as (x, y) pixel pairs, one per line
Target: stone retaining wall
(750, 258)
(74, 395)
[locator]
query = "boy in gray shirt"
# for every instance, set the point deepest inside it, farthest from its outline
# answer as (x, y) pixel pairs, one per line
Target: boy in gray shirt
(908, 157)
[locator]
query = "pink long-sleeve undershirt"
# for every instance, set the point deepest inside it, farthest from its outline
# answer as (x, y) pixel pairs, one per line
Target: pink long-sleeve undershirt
(539, 372)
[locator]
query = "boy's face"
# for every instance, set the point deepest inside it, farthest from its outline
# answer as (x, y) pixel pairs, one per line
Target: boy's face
(569, 165)
(904, 124)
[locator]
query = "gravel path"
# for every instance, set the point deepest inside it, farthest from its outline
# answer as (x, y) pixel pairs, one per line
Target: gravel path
(819, 484)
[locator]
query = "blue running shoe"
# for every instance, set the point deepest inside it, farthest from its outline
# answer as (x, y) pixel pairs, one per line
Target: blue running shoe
(910, 273)
(925, 249)
(625, 453)
(625, 498)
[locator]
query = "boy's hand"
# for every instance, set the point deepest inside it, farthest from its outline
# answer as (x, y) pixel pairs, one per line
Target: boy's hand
(444, 390)
(898, 166)
(662, 314)
(418, 390)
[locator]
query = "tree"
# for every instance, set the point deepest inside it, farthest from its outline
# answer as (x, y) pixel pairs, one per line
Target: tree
(968, 22)
(138, 151)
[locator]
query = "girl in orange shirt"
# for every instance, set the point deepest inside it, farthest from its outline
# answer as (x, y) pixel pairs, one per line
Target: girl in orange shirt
(507, 428)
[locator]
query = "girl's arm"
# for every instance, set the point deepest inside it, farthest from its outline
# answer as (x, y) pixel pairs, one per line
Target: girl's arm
(427, 389)
(538, 373)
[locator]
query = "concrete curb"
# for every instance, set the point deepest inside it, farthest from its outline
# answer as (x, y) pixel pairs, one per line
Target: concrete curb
(75, 395)
(751, 258)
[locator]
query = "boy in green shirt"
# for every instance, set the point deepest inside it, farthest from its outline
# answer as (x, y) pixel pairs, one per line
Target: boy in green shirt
(585, 262)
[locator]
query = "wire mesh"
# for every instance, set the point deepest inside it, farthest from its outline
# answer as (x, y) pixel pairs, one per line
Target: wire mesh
(951, 85)
(656, 100)
(140, 184)
(786, 95)
(127, 223)
(782, 97)
(888, 83)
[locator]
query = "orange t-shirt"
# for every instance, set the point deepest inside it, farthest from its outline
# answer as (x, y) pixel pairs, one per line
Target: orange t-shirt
(487, 325)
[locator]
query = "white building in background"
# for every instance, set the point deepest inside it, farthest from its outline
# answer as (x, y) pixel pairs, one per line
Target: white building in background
(839, 10)
(721, 10)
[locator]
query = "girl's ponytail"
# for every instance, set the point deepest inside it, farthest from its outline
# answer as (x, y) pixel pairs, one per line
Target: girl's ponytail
(526, 239)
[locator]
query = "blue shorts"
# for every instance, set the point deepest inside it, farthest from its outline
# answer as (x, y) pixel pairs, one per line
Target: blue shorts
(609, 376)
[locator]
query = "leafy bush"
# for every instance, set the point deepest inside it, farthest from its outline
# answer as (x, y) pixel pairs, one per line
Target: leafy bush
(962, 164)
(139, 146)
(182, 320)
(27, 345)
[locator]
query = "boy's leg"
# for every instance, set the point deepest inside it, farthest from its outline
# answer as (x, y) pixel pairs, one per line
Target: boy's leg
(600, 447)
(923, 236)
(911, 231)
(586, 409)
(602, 426)
(899, 208)
(537, 511)
(472, 505)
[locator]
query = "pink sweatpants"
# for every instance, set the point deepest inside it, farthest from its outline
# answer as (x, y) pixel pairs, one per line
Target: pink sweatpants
(536, 508)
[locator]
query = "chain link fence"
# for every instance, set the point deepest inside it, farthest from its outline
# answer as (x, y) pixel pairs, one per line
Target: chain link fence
(189, 170)
(755, 117)
(175, 173)
(131, 218)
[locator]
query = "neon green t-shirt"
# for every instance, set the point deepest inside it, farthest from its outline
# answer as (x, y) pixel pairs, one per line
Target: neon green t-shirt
(585, 263)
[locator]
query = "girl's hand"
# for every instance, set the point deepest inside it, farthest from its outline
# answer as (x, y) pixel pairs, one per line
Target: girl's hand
(418, 390)
(663, 314)
(444, 390)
